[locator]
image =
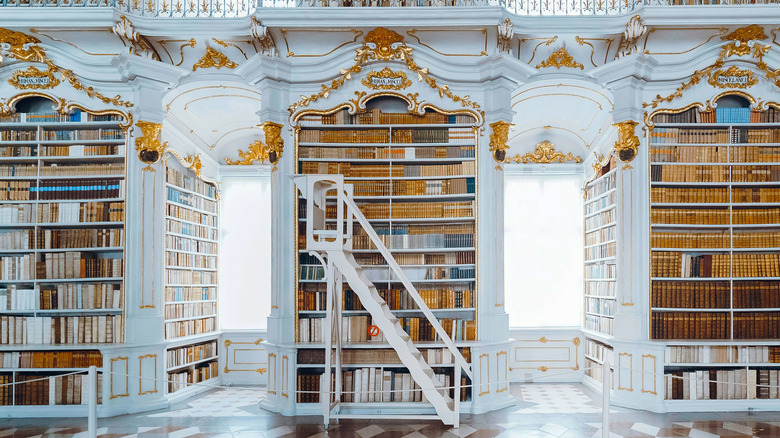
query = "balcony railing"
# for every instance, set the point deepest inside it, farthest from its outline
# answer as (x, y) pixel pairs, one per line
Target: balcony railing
(243, 8)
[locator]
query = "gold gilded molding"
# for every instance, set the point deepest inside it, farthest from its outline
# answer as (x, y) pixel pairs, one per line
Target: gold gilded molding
(382, 44)
(506, 31)
(545, 41)
(270, 151)
(137, 43)
(543, 369)
(231, 43)
(228, 343)
(17, 79)
(148, 145)
(627, 145)
(140, 380)
(720, 32)
(618, 371)
(498, 371)
(543, 340)
(214, 58)
(584, 41)
(192, 162)
(576, 342)
(357, 33)
(649, 356)
(543, 154)
(414, 34)
(386, 79)
(732, 77)
(560, 58)
(71, 44)
(747, 33)
(191, 43)
(628, 43)
(498, 139)
(127, 377)
(485, 383)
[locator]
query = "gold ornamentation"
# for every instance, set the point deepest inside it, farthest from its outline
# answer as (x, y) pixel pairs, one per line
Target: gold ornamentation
(127, 377)
(584, 41)
(732, 77)
(627, 145)
(33, 78)
(191, 161)
(417, 33)
(544, 153)
(262, 370)
(25, 48)
(260, 33)
(227, 343)
(634, 30)
(148, 145)
(545, 41)
(386, 79)
(576, 342)
(561, 58)
(499, 138)
(543, 369)
(382, 44)
(214, 58)
(506, 31)
(357, 34)
(140, 380)
(271, 150)
(138, 44)
(745, 34)
(543, 340)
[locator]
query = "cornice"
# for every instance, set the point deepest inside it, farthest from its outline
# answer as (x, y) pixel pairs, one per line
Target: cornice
(60, 18)
(131, 67)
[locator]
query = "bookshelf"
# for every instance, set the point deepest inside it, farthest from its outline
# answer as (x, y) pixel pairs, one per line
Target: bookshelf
(715, 182)
(414, 178)
(191, 294)
(62, 248)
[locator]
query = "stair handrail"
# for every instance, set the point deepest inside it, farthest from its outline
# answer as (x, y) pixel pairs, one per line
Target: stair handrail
(410, 289)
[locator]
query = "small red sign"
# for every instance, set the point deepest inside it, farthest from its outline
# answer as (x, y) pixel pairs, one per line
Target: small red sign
(373, 330)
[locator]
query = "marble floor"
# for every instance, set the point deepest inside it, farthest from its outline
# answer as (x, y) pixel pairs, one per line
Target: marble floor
(542, 410)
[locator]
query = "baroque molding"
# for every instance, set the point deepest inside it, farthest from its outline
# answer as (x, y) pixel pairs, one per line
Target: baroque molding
(627, 145)
(498, 139)
(263, 36)
(732, 77)
(214, 58)
(386, 79)
(628, 43)
(148, 145)
(32, 73)
(544, 153)
(270, 151)
(137, 43)
(506, 31)
(560, 58)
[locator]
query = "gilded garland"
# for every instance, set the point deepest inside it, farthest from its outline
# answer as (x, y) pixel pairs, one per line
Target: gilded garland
(544, 153)
(560, 58)
(385, 45)
(23, 47)
(270, 151)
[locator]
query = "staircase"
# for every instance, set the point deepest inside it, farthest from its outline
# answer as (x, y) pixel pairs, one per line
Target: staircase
(335, 246)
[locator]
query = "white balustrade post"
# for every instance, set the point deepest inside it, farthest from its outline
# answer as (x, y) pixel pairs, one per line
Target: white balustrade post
(93, 390)
(606, 387)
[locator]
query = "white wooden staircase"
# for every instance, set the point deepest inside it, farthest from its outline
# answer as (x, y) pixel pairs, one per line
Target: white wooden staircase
(333, 247)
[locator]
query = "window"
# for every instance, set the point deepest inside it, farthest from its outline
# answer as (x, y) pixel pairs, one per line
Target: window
(245, 252)
(543, 241)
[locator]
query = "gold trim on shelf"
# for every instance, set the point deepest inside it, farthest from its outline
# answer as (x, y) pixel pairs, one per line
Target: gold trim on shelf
(560, 58)
(382, 44)
(148, 145)
(544, 153)
(270, 151)
(386, 79)
(17, 79)
(140, 379)
(732, 77)
(127, 377)
(214, 58)
(498, 139)
(627, 145)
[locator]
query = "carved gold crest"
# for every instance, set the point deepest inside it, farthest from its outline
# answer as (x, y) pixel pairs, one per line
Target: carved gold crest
(386, 79)
(148, 145)
(384, 39)
(627, 145)
(499, 138)
(545, 153)
(214, 58)
(33, 78)
(560, 58)
(732, 78)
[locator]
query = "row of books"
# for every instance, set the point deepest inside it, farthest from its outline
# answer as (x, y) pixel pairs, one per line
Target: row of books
(601, 271)
(19, 170)
(387, 135)
(756, 325)
(690, 325)
(82, 169)
(189, 293)
(387, 152)
(601, 288)
(715, 216)
(180, 329)
(61, 329)
(599, 351)
(378, 356)
(722, 354)
(17, 190)
(190, 353)
(42, 389)
(755, 173)
(594, 370)
(756, 294)
(600, 251)
(67, 189)
(18, 151)
(76, 150)
(417, 241)
(184, 379)
(51, 359)
(601, 186)
(697, 239)
(755, 194)
(728, 384)
(351, 170)
(80, 238)
(186, 260)
(190, 200)
(189, 182)
(685, 173)
(689, 135)
(82, 134)
(189, 215)
(62, 296)
(63, 212)
(732, 115)
(601, 324)
(428, 187)
(19, 135)
(693, 115)
(690, 194)
(354, 329)
(427, 210)
(692, 154)
(188, 229)
(600, 236)
(190, 277)
(375, 116)
(600, 306)
(190, 310)
(76, 264)
(450, 258)
(17, 239)
(687, 294)
(313, 299)
(600, 203)
(679, 264)
(601, 219)
(76, 116)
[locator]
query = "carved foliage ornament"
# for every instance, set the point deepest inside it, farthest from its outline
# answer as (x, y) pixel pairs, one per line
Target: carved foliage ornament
(545, 153)
(25, 48)
(627, 145)
(386, 79)
(261, 34)
(506, 31)
(634, 30)
(498, 139)
(138, 44)
(732, 77)
(270, 151)
(33, 78)
(148, 145)
(561, 58)
(214, 58)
